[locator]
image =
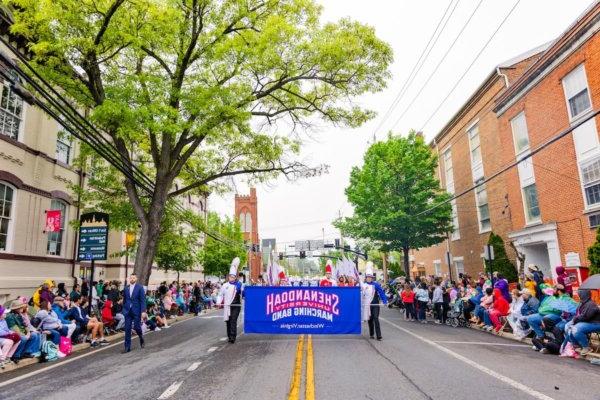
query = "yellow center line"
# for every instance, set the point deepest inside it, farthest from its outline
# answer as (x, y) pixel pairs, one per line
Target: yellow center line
(310, 377)
(297, 374)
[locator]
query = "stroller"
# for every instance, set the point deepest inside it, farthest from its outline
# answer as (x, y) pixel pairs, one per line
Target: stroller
(456, 315)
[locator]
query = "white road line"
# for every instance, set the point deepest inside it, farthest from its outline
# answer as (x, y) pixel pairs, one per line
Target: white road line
(194, 366)
(69, 360)
(517, 385)
(483, 343)
(222, 339)
(170, 390)
(212, 349)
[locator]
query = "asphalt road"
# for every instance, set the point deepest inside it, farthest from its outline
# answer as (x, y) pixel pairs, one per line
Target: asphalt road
(192, 360)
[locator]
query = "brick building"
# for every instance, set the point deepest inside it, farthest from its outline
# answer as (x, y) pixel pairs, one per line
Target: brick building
(247, 212)
(468, 147)
(549, 205)
(554, 196)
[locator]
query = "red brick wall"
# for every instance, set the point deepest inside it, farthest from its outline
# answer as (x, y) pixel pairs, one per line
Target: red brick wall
(556, 172)
(249, 204)
(471, 242)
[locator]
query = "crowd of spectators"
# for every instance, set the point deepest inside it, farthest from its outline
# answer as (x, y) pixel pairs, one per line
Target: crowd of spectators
(53, 319)
(546, 311)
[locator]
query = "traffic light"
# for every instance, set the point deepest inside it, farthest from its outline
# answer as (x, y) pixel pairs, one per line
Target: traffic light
(280, 256)
(302, 254)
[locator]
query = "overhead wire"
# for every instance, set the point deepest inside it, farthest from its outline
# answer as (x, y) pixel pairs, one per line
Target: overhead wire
(513, 164)
(417, 67)
(78, 126)
(440, 62)
(462, 76)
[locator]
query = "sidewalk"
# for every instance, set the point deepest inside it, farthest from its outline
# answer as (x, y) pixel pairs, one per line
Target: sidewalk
(594, 344)
(86, 346)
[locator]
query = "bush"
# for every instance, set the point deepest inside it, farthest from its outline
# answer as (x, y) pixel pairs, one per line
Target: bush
(594, 255)
(501, 262)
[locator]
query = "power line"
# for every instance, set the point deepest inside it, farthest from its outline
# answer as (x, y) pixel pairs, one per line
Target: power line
(82, 129)
(417, 67)
(471, 64)
(464, 27)
(515, 163)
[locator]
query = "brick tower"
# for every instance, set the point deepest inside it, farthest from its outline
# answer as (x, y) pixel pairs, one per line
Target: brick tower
(246, 212)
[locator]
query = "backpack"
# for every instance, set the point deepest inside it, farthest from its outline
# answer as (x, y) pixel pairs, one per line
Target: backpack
(65, 345)
(49, 351)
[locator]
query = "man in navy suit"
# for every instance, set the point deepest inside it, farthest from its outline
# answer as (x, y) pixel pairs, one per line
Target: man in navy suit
(134, 304)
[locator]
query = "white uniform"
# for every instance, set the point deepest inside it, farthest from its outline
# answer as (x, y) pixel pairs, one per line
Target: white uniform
(225, 297)
(367, 293)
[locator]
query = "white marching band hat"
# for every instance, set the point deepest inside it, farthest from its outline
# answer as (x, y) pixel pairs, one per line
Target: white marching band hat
(369, 269)
(234, 266)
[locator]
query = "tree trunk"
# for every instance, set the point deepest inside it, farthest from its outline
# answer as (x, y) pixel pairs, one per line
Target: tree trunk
(150, 233)
(405, 251)
(385, 266)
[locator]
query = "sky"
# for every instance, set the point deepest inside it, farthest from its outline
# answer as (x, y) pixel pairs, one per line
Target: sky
(303, 210)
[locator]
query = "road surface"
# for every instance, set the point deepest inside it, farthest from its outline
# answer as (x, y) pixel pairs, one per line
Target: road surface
(192, 360)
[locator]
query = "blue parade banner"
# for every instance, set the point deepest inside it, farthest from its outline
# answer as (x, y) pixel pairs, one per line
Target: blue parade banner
(299, 310)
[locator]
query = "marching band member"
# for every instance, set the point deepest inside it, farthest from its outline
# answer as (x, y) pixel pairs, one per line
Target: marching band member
(372, 293)
(230, 297)
(282, 279)
(328, 280)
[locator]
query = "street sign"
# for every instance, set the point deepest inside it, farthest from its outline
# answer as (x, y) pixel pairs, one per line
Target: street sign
(93, 236)
(309, 245)
(488, 252)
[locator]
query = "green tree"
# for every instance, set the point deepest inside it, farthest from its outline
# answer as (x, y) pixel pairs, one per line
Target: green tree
(216, 256)
(594, 255)
(392, 194)
(201, 90)
(501, 262)
(178, 251)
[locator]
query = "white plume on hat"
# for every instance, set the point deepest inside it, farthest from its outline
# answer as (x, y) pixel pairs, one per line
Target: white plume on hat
(369, 269)
(234, 266)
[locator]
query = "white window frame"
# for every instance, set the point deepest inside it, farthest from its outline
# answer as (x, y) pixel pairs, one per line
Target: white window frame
(580, 67)
(481, 229)
(587, 161)
(5, 84)
(512, 126)
(455, 235)
(460, 260)
(11, 224)
(437, 267)
(448, 172)
(476, 167)
(69, 144)
(63, 226)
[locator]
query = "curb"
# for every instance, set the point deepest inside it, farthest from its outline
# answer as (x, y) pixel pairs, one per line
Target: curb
(511, 336)
(84, 346)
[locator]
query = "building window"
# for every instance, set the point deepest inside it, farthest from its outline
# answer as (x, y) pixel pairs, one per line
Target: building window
(11, 109)
(520, 134)
(590, 173)
(456, 232)
(576, 92)
(6, 212)
(459, 266)
(448, 171)
(437, 266)
(532, 208)
(475, 146)
(64, 143)
(55, 239)
(248, 222)
(483, 210)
